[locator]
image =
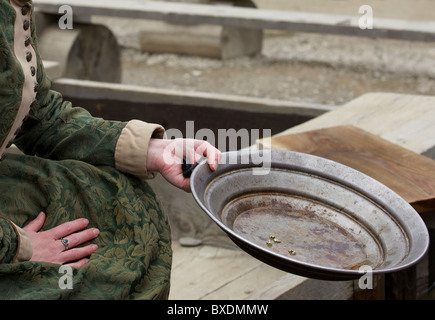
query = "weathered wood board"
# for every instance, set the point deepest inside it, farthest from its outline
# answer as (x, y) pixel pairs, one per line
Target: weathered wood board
(409, 174)
(405, 120)
(243, 18)
(212, 272)
(216, 273)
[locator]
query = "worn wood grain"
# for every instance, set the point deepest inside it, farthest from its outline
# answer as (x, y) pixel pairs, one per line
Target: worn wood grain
(211, 272)
(95, 90)
(409, 174)
(244, 18)
(406, 120)
(291, 287)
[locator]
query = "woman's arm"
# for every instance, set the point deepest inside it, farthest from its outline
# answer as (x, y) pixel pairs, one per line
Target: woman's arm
(56, 129)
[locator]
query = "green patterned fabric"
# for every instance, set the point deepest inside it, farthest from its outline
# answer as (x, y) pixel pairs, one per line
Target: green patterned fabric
(11, 75)
(133, 260)
(68, 173)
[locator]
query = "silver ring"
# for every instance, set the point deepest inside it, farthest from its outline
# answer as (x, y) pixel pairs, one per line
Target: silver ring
(64, 242)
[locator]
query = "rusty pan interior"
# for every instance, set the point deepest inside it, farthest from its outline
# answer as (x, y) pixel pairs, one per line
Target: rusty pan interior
(310, 216)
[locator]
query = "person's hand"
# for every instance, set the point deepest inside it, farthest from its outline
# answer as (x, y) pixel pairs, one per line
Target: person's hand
(48, 246)
(166, 156)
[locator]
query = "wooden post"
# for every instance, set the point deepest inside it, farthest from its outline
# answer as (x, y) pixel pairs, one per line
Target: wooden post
(86, 52)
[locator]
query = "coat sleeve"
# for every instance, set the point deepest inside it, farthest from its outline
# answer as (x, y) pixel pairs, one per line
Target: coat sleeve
(56, 129)
(15, 246)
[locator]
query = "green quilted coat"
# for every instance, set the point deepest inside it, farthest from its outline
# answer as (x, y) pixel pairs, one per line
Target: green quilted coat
(68, 172)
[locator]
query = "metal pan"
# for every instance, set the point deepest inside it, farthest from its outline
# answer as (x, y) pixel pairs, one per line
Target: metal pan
(310, 216)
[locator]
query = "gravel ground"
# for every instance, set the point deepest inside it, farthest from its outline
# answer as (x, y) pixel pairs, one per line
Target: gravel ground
(302, 67)
(313, 68)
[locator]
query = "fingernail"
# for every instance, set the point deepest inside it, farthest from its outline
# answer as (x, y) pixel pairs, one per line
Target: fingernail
(96, 232)
(94, 247)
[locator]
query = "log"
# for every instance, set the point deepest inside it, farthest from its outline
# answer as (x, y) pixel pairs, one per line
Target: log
(212, 41)
(161, 37)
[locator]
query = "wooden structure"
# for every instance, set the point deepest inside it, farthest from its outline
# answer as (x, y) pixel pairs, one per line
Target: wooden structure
(240, 17)
(407, 173)
(87, 52)
(212, 29)
(213, 41)
(98, 91)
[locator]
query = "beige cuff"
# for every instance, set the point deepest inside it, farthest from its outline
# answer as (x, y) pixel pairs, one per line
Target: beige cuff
(132, 147)
(25, 248)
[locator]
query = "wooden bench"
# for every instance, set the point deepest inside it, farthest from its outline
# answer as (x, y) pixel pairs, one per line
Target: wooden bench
(251, 18)
(215, 29)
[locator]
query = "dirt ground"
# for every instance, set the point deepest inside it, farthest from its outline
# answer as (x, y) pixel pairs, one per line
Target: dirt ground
(313, 68)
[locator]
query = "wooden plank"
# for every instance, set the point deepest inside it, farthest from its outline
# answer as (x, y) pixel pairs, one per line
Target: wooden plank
(291, 287)
(211, 272)
(184, 13)
(215, 273)
(246, 283)
(276, 289)
(409, 174)
(121, 92)
(406, 120)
